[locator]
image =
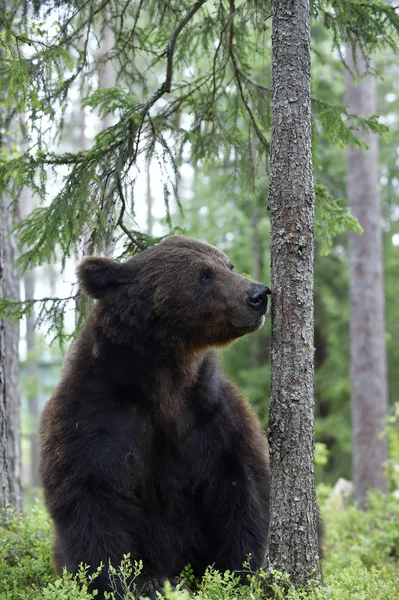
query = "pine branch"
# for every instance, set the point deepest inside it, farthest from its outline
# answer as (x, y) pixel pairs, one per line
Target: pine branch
(236, 70)
(332, 217)
(341, 126)
(170, 50)
(367, 25)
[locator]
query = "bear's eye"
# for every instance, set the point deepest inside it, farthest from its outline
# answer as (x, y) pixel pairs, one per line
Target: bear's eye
(206, 274)
(231, 267)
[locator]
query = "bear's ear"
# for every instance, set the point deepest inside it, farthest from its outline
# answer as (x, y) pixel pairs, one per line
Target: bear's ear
(98, 276)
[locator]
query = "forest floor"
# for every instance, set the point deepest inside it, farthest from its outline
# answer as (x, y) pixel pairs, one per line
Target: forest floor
(361, 561)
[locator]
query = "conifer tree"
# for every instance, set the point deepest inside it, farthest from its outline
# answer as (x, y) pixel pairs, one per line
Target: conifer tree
(9, 288)
(5, 480)
(293, 535)
(11, 285)
(369, 395)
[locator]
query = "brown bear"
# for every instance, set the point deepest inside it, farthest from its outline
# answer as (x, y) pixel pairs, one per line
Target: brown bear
(146, 448)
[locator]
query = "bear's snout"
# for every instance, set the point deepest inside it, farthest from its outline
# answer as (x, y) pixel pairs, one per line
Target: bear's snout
(257, 297)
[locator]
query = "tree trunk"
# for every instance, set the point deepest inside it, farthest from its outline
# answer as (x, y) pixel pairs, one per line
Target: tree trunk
(10, 403)
(33, 373)
(11, 290)
(32, 369)
(369, 398)
(5, 484)
(254, 342)
(293, 535)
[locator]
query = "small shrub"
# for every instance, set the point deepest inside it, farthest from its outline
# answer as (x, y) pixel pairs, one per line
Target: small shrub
(25, 547)
(361, 549)
(367, 538)
(71, 587)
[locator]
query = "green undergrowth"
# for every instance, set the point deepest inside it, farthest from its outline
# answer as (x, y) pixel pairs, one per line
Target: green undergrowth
(361, 562)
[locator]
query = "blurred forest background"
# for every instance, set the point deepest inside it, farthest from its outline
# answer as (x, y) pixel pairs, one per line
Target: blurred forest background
(201, 168)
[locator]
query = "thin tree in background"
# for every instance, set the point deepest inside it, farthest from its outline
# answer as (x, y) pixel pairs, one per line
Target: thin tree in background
(369, 398)
(257, 268)
(31, 364)
(255, 210)
(149, 199)
(5, 489)
(11, 282)
(293, 537)
(10, 467)
(32, 371)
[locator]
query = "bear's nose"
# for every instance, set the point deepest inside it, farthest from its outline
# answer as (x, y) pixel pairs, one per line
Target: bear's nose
(257, 297)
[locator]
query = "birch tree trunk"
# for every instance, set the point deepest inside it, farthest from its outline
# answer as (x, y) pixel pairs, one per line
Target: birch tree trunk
(293, 535)
(369, 398)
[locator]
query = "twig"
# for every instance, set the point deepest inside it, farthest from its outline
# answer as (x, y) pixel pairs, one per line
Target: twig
(89, 19)
(254, 83)
(216, 55)
(236, 70)
(170, 50)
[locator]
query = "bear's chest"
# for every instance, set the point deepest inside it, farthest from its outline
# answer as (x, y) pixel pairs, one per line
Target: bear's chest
(176, 459)
(180, 460)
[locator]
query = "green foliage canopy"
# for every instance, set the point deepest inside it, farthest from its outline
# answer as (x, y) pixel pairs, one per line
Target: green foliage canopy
(175, 58)
(192, 77)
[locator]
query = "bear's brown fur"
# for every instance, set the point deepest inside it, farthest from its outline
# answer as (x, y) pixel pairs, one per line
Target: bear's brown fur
(146, 448)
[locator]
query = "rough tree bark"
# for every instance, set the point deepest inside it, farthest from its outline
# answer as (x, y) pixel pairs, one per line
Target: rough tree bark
(293, 539)
(369, 398)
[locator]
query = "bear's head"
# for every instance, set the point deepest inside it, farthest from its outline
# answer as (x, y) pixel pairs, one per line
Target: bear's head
(180, 291)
